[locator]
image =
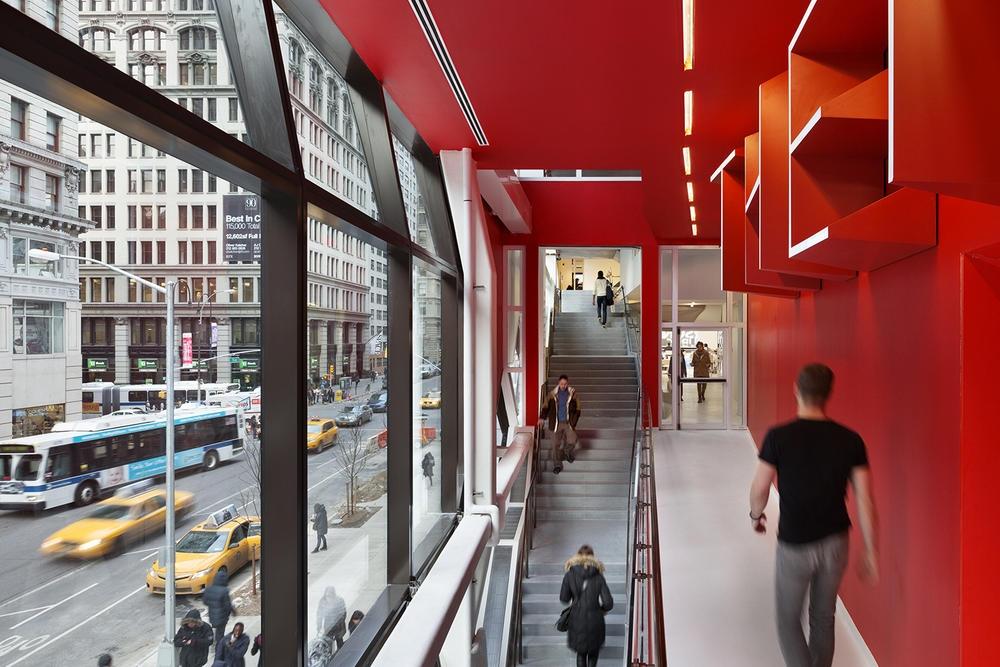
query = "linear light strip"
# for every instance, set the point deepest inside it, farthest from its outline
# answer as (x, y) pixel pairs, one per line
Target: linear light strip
(688, 112)
(690, 189)
(429, 26)
(686, 153)
(687, 15)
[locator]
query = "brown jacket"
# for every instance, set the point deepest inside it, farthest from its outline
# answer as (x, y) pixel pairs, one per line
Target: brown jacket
(551, 411)
(702, 363)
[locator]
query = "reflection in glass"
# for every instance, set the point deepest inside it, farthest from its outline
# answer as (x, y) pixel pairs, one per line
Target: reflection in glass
(666, 376)
(413, 200)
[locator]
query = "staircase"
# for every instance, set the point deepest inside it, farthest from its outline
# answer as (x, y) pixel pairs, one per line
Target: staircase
(587, 502)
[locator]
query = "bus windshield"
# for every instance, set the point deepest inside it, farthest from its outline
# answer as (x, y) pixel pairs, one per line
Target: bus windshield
(202, 542)
(110, 512)
(28, 467)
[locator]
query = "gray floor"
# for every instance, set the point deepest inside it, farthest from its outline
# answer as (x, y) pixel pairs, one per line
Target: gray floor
(718, 573)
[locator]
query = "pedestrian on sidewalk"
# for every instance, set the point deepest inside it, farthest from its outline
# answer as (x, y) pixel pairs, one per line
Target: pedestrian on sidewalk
(560, 415)
(104, 660)
(258, 647)
(428, 465)
(701, 360)
(584, 585)
(602, 288)
(230, 651)
(220, 606)
(320, 525)
(814, 459)
(355, 621)
(331, 617)
(193, 638)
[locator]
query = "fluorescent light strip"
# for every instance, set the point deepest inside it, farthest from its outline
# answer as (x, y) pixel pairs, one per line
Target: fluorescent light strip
(690, 188)
(686, 152)
(688, 112)
(694, 229)
(687, 16)
(429, 26)
(694, 217)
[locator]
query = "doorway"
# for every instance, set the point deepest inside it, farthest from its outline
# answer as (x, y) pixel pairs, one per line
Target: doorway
(702, 341)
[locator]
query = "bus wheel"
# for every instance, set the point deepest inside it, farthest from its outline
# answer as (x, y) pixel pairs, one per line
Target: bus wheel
(86, 493)
(211, 461)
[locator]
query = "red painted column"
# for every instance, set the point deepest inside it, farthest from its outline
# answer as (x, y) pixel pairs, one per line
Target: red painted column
(650, 327)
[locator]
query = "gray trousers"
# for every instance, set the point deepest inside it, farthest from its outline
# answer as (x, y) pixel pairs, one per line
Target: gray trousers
(815, 569)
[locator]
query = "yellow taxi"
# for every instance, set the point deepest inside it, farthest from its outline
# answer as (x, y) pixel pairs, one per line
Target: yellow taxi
(220, 543)
(320, 434)
(130, 516)
(431, 400)
(253, 539)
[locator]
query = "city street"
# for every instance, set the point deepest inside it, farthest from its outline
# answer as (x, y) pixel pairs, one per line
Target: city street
(53, 610)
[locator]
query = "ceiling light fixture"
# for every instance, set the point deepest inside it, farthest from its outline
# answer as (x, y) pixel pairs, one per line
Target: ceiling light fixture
(688, 112)
(690, 187)
(694, 217)
(694, 230)
(687, 11)
(686, 151)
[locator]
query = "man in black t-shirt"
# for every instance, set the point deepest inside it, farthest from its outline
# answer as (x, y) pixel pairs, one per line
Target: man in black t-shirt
(813, 458)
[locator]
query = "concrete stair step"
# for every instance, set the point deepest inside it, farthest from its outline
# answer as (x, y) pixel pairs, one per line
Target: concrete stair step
(589, 455)
(612, 570)
(539, 625)
(582, 517)
(581, 464)
(554, 646)
(570, 476)
(551, 584)
(571, 487)
(561, 662)
(585, 503)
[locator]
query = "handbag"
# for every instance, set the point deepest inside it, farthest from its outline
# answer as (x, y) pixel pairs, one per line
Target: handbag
(609, 293)
(562, 625)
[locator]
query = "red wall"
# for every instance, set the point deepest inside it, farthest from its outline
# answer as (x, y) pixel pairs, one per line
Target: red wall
(894, 339)
(596, 214)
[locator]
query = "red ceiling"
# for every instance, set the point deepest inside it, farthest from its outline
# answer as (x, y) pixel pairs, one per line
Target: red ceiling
(582, 84)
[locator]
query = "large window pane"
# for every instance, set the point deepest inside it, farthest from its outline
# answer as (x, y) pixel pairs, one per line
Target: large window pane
(347, 361)
(332, 155)
(429, 521)
(413, 201)
(699, 286)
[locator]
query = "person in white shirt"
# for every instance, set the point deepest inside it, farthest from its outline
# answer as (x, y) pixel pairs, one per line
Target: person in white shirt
(601, 299)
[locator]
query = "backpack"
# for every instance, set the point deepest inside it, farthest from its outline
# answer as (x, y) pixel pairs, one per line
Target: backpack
(609, 292)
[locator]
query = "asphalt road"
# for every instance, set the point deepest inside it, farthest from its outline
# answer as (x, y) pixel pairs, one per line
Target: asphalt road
(60, 612)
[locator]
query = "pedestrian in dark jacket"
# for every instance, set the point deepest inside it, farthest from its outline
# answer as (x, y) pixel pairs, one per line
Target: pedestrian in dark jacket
(193, 638)
(584, 585)
(355, 621)
(560, 416)
(428, 466)
(320, 525)
(258, 647)
(216, 598)
(230, 651)
(331, 616)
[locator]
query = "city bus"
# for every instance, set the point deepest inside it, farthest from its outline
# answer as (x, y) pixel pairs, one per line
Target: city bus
(78, 461)
(103, 398)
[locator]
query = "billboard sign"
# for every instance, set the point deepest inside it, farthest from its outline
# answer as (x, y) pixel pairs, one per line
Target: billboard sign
(187, 350)
(241, 228)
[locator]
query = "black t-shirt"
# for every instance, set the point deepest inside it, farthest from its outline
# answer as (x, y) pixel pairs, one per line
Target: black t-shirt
(814, 459)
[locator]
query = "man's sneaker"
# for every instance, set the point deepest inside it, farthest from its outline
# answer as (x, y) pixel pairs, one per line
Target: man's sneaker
(570, 458)
(557, 470)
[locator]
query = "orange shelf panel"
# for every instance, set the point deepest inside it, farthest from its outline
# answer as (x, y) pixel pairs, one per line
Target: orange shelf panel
(853, 124)
(730, 177)
(897, 226)
(772, 194)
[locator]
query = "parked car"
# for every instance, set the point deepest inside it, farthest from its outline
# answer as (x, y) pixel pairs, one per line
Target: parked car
(354, 416)
(431, 400)
(379, 402)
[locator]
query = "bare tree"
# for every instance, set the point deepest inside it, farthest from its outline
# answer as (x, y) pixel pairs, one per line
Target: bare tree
(251, 476)
(352, 452)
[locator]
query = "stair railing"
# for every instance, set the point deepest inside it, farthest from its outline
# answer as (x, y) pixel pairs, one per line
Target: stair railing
(645, 644)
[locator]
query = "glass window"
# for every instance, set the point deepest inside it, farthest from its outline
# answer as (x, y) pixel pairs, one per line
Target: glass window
(416, 212)
(51, 200)
(699, 285)
(52, 126)
(18, 118)
(18, 184)
(38, 327)
(429, 522)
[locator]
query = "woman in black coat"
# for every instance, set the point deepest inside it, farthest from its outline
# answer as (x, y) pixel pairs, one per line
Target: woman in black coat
(584, 585)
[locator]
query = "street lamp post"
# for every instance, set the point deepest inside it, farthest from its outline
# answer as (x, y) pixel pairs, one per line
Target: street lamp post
(166, 656)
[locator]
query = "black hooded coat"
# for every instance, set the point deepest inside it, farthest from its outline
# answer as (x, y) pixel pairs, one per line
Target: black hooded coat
(584, 585)
(216, 598)
(193, 642)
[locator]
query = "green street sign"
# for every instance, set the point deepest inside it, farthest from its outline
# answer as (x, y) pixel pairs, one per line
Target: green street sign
(248, 364)
(147, 364)
(97, 364)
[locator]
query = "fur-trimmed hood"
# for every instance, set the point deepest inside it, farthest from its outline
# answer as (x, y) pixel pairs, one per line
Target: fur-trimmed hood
(555, 392)
(585, 562)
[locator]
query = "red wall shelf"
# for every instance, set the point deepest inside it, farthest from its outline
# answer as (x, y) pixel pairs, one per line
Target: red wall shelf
(842, 210)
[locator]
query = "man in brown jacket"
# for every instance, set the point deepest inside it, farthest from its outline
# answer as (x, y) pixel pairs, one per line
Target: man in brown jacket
(561, 414)
(702, 362)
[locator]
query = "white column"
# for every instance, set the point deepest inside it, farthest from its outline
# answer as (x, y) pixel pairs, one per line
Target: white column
(224, 366)
(122, 361)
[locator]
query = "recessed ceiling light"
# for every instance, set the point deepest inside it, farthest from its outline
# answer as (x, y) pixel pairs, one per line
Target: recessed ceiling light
(687, 11)
(686, 152)
(688, 112)
(690, 188)
(694, 230)
(694, 217)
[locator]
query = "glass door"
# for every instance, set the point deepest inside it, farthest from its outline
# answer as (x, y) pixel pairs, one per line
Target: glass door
(703, 392)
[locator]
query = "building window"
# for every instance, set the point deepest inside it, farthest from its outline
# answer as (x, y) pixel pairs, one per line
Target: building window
(161, 217)
(197, 39)
(182, 252)
(109, 247)
(18, 184)
(95, 290)
(95, 181)
(147, 217)
(51, 16)
(161, 252)
(161, 180)
(147, 181)
(95, 216)
(147, 252)
(149, 74)
(182, 181)
(233, 110)
(109, 289)
(52, 126)
(52, 192)
(145, 39)
(18, 118)
(182, 217)
(197, 250)
(197, 180)
(38, 327)
(198, 74)
(211, 252)
(96, 39)
(109, 217)
(248, 290)
(95, 250)
(132, 218)
(234, 290)
(295, 67)
(131, 252)
(109, 181)
(211, 216)
(196, 217)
